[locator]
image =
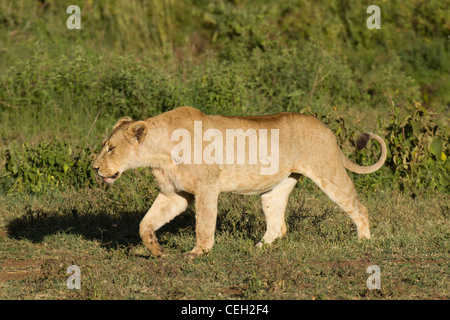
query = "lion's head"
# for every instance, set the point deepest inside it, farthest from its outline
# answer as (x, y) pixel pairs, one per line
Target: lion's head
(120, 149)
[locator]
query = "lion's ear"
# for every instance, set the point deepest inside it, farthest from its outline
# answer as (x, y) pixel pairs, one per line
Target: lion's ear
(122, 121)
(138, 130)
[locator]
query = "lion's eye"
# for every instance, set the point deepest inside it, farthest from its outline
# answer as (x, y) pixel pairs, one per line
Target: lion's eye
(110, 149)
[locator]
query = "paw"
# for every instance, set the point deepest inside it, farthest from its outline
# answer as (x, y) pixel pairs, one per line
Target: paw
(158, 253)
(196, 252)
(156, 250)
(151, 243)
(262, 244)
(365, 234)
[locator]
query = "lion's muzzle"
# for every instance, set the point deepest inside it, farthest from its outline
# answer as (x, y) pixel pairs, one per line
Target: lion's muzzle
(105, 178)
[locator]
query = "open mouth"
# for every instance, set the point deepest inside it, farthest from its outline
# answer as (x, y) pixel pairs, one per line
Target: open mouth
(111, 179)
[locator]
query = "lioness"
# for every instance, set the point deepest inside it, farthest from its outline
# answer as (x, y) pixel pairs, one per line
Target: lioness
(303, 143)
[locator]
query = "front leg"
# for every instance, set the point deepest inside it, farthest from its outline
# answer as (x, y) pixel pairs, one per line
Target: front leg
(164, 209)
(205, 216)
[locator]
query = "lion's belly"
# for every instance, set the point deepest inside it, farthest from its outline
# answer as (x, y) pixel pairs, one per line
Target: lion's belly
(249, 181)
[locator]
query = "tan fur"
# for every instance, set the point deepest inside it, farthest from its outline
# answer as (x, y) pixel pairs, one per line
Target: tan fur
(306, 146)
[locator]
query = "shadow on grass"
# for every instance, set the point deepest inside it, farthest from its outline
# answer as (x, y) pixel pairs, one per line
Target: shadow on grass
(111, 230)
(238, 215)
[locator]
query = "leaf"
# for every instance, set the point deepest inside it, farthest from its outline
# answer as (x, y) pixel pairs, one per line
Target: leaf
(436, 147)
(51, 160)
(416, 127)
(421, 108)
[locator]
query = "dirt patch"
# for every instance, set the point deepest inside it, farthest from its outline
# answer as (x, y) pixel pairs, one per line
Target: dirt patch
(236, 291)
(34, 268)
(12, 269)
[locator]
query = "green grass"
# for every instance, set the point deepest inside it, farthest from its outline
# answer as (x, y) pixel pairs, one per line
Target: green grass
(320, 258)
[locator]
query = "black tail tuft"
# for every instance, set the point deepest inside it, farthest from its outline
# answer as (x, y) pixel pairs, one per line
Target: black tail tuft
(362, 141)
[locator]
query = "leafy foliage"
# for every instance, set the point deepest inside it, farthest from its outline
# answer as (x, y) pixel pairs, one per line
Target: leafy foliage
(47, 166)
(418, 148)
(141, 58)
(417, 156)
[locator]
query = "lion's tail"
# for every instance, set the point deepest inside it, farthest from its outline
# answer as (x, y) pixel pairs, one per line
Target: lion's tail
(360, 144)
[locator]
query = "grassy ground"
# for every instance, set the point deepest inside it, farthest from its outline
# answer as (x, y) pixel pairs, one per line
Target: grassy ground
(320, 258)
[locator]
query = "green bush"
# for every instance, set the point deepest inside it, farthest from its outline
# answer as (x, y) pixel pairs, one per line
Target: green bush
(418, 148)
(129, 89)
(47, 166)
(141, 58)
(417, 142)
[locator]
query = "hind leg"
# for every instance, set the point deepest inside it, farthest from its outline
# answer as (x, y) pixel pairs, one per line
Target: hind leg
(339, 188)
(274, 205)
